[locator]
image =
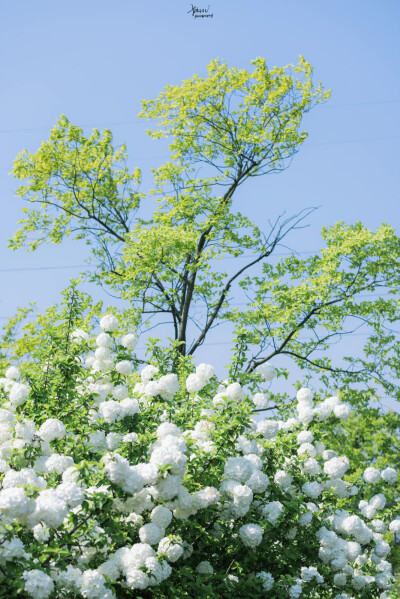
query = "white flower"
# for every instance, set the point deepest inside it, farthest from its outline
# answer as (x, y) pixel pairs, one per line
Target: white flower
(394, 526)
(340, 579)
(111, 411)
(260, 400)
(371, 475)
(311, 467)
(79, 335)
(267, 580)
(194, 383)
(13, 373)
(235, 392)
(161, 516)
(151, 533)
(307, 448)
(57, 463)
(19, 394)
(205, 568)
(172, 550)
(15, 504)
(305, 395)
(251, 535)
(336, 467)
(130, 406)
(51, 430)
(305, 437)
(272, 511)
(130, 437)
(148, 372)
(120, 392)
(128, 341)
(124, 367)
(283, 479)
(295, 591)
(41, 532)
(312, 489)
(266, 371)
(342, 411)
(104, 340)
(38, 584)
(305, 413)
(205, 371)
(93, 586)
(50, 509)
(239, 469)
(307, 574)
(109, 323)
(389, 475)
(268, 428)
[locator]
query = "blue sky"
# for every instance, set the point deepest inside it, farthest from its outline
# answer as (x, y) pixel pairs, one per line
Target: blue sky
(95, 60)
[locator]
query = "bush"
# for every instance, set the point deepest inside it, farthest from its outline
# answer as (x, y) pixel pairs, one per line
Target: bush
(164, 485)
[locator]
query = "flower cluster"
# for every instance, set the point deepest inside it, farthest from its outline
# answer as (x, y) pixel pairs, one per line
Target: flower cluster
(169, 474)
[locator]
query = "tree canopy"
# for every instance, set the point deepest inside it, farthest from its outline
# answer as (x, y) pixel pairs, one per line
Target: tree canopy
(224, 129)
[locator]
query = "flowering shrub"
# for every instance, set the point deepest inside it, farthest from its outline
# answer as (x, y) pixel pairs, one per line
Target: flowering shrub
(115, 484)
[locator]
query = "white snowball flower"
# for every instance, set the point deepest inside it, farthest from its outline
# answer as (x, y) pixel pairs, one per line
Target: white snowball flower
(312, 489)
(336, 467)
(19, 394)
(283, 479)
(205, 371)
(305, 437)
(251, 535)
(161, 516)
(272, 511)
(389, 475)
(41, 532)
(307, 448)
(194, 383)
(267, 580)
(109, 323)
(104, 340)
(15, 504)
(295, 591)
(120, 392)
(371, 475)
(167, 428)
(52, 429)
(205, 568)
(79, 335)
(305, 395)
(266, 371)
(311, 467)
(130, 406)
(128, 341)
(394, 526)
(13, 373)
(268, 428)
(38, 584)
(305, 414)
(342, 411)
(151, 533)
(172, 550)
(148, 372)
(124, 367)
(260, 401)
(235, 392)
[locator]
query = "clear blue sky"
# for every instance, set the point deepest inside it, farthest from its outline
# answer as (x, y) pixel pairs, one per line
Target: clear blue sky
(95, 60)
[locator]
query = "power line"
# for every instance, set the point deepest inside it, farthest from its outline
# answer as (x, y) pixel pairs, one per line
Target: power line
(137, 122)
(92, 266)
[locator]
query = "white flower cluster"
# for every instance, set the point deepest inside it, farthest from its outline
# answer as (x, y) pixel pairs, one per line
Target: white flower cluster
(150, 482)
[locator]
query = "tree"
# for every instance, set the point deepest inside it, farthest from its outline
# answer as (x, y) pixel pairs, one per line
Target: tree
(225, 129)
